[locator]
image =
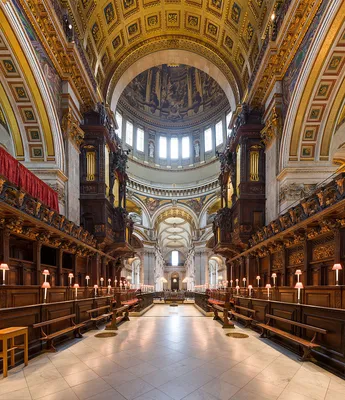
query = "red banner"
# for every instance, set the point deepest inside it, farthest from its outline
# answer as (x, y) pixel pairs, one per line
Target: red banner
(16, 173)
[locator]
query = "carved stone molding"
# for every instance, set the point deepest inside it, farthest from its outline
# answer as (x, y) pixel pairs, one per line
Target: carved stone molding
(295, 191)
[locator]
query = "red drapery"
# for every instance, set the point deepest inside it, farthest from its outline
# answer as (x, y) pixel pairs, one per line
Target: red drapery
(16, 173)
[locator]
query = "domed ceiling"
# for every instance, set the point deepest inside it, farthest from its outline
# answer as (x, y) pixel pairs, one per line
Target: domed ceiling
(173, 95)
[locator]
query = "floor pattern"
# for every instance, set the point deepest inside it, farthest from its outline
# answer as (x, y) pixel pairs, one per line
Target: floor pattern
(171, 353)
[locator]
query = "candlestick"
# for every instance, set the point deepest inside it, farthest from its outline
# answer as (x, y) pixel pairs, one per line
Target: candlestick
(237, 289)
(76, 287)
(4, 268)
(299, 286)
(268, 287)
(337, 268)
(250, 287)
(258, 280)
(87, 280)
(244, 282)
(45, 286)
(298, 273)
(274, 276)
(95, 287)
(70, 276)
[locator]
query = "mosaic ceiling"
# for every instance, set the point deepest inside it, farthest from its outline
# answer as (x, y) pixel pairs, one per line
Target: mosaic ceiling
(229, 30)
(173, 94)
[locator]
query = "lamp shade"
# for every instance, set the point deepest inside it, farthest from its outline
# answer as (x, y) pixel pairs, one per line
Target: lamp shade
(337, 267)
(298, 272)
(268, 286)
(95, 286)
(128, 277)
(87, 277)
(4, 267)
(76, 286)
(45, 285)
(45, 272)
(237, 287)
(274, 275)
(244, 279)
(250, 286)
(299, 285)
(220, 277)
(258, 278)
(70, 275)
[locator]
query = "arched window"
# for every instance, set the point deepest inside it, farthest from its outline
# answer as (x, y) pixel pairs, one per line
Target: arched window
(185, 147)
(208, 139)
(140, 139)
(129, 133)
(174, 258)
(118, 117)
(174, 148)
(162, 147)
(219, 133)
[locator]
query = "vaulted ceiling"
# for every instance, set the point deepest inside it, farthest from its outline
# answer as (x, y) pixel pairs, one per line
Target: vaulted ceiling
(226, 32)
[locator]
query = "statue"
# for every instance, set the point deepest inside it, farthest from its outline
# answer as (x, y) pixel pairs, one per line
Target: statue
(151, 149)
(196, 149)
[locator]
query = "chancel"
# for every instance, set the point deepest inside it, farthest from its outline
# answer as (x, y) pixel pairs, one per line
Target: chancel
(172, 199)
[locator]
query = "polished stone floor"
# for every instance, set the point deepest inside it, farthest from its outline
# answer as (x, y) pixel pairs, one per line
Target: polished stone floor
(171, 353)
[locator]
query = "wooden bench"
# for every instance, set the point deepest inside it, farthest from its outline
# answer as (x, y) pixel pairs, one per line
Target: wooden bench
(307, 345)
(120, 314)
(225, 315)
(127, 298)
(104, 316)
(11, 334)
(247, 319)
(50, 337)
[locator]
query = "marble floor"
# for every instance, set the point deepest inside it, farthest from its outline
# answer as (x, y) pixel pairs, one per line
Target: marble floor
(170, 353)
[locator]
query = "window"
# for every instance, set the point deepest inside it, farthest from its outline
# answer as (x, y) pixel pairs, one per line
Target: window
(174, 258)
(163, 147)
(185, 147)
(208, 139)
(219, 133)
(140, 139)
(174, 148)
(129, 133)
(118, 117)
(228, 119)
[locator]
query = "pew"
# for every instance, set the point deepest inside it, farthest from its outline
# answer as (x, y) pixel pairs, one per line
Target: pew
(220, 301)
(127, 298)
(120, 314)
(95, 317)
(174, 297)
(246, 318)
(50, 337)
(307, 345)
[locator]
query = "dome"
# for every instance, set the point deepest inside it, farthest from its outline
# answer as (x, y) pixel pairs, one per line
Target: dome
(173, 96)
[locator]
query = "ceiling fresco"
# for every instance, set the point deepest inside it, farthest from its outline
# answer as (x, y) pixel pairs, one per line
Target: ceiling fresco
(173, 93)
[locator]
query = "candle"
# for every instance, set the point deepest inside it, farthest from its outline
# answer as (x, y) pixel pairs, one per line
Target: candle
(76, 287)
(102, 280)
(95, 287)
(87, 280)
(299, 286)
(70, 276)
(244, 282)
(258, 280)
(268, 287)
(274, 276)
(237, 289)
(250, 287)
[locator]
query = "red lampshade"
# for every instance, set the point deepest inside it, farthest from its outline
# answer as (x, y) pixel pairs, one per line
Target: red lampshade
(337, 267)
(45, 285)
(268, 286)
(4, 267)
(76, 286)
(299, 285)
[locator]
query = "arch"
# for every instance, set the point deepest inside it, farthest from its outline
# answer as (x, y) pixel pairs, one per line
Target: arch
(141, 63)
(305, 94)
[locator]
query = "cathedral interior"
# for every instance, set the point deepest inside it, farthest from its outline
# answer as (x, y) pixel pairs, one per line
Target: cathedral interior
(172, 193)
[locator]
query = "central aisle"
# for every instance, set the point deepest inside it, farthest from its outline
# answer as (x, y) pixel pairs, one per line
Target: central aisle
(170, 353)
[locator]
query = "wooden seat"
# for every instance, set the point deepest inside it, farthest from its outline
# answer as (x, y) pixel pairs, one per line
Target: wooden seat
(49, 338)
(224, 318)
(10, 334)
(248, 319)
(120, 314)
(308, 345)
(103, 316)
